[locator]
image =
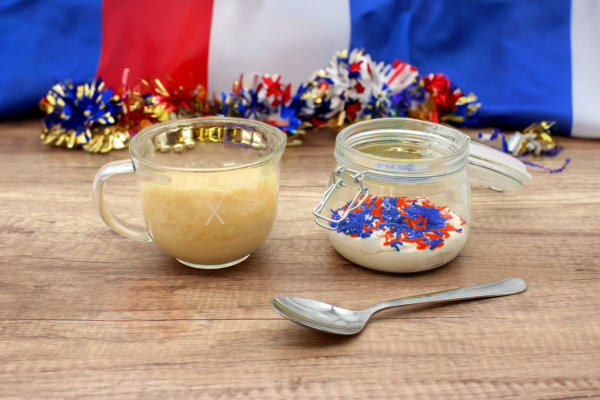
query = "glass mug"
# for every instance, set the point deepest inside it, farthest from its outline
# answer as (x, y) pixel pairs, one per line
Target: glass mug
(209, 188)
(399, 198)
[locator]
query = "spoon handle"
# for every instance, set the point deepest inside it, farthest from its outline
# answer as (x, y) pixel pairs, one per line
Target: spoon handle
(503, 287)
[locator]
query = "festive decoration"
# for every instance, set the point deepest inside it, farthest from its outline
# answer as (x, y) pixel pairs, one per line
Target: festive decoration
(552, 170)
(536, 140)
(400, 219)
(351, 88)
(76, 115)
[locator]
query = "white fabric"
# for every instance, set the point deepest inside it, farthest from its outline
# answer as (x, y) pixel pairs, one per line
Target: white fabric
(585, 66)
(288, 37)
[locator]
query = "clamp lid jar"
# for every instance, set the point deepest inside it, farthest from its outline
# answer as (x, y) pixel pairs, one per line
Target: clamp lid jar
(399, 198)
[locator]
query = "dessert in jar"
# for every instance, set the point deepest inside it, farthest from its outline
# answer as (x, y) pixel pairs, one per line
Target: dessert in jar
(400, 198)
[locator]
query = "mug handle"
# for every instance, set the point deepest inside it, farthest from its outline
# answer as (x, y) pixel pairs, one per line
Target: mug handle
(125, 229)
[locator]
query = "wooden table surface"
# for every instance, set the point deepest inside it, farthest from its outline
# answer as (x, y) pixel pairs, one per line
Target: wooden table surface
(88, 313)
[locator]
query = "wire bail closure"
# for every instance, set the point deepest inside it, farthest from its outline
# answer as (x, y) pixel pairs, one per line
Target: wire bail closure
(339, 183)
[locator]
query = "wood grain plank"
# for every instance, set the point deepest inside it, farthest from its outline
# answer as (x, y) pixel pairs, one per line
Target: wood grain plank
(87, 313)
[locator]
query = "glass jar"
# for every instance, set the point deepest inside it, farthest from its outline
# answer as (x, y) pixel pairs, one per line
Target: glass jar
(399, 198)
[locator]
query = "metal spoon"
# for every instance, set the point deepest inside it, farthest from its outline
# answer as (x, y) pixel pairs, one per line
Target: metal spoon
(340, 321)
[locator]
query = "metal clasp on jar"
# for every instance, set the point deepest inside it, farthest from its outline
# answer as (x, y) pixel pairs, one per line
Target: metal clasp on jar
(338, 182)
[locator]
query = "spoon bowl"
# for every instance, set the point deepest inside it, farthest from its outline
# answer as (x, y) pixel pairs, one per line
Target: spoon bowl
(341, 321)
(320, 316)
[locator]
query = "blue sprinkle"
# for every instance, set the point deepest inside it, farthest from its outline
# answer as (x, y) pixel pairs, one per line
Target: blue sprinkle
(396, 245)
(435, 243)
(458, 230)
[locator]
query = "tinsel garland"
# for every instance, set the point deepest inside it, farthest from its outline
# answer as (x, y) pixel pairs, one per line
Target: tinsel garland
(350, 89)
(535, 140)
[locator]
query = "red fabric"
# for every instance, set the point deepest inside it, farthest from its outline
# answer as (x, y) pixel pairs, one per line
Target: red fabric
(153, 39)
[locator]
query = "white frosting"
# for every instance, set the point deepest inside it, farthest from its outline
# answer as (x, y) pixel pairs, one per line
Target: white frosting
(371, 253)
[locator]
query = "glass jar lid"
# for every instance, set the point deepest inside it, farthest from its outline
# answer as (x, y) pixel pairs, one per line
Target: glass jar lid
(493, 168)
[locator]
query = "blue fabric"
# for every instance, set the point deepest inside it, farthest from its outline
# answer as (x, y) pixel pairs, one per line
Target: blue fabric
(514, 54)
(42, 43)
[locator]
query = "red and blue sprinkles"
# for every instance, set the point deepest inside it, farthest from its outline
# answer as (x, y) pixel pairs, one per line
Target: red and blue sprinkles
(402, 220)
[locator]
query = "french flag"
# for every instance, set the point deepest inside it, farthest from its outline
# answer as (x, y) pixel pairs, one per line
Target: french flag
(527, 60)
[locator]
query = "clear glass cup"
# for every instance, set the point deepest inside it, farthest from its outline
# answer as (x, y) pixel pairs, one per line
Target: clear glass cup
(399, 198)
(209, 188)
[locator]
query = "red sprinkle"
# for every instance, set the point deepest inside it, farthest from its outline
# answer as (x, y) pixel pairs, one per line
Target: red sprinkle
(440, 244)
